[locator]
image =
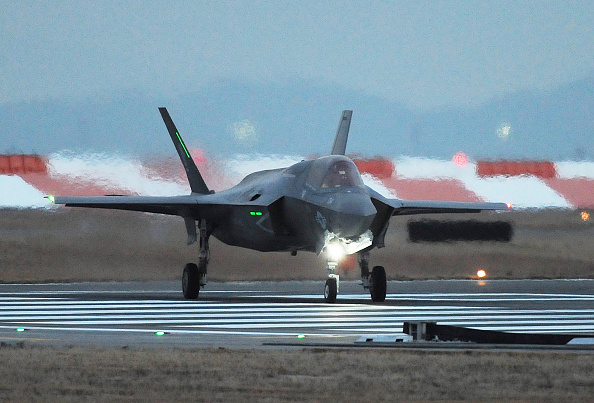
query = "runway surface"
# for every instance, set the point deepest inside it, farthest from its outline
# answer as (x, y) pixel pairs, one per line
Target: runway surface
(253, 314)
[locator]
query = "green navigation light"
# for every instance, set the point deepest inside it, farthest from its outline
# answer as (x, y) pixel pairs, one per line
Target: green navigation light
(51, 198)
(183, 145)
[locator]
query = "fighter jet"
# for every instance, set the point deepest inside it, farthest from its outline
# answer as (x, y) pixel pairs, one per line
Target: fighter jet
(319, 205)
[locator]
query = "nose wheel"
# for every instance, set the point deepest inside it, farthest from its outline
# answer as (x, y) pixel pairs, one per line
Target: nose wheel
(332, 283)
(330, 290)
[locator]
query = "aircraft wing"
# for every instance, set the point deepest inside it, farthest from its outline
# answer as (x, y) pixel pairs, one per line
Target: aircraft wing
(191, 207)
(409, 207)
(196, 206)
(171, 205)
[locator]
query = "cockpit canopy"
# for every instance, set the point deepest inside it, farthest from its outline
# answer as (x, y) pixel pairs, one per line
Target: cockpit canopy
(333, 172)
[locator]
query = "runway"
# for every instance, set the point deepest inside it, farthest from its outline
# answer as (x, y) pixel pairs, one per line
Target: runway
(252, 314)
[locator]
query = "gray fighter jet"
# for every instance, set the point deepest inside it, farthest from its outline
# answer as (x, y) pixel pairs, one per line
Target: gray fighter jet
(320, 206)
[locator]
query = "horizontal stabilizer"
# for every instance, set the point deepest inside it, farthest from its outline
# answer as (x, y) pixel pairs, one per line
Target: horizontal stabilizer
(197, 183)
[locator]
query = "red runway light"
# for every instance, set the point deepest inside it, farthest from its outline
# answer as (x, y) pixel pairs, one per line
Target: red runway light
(460, 159)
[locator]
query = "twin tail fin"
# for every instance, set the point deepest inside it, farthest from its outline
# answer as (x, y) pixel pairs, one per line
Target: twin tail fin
(197, 184)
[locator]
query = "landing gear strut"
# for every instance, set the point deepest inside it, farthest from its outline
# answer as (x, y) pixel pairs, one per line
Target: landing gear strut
(194, 275)
(375, 281)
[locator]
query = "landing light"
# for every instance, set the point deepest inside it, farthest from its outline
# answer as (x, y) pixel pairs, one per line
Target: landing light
(335, 250)
(481, 274)
(585, 216)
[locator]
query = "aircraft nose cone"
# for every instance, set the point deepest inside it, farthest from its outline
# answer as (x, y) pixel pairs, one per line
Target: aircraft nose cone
(352, 214)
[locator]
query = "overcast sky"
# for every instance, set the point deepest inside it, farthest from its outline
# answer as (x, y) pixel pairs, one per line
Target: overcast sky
(422, 54)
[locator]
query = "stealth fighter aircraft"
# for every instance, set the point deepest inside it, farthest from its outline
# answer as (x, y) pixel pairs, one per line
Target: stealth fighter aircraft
(320, 206)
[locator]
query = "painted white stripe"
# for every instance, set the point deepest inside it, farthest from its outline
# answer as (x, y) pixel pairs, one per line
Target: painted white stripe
(180, 331)
(521, 191)
(206, 314)
(111, 171)
(16, 193)
(378, 186)
(573, 169)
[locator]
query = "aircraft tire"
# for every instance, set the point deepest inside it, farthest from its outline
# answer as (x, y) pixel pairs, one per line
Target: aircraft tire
(378, 284)
(330, 290)
(191, 281)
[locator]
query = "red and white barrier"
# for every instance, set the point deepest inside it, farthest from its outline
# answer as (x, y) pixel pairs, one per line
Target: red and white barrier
(24, 180)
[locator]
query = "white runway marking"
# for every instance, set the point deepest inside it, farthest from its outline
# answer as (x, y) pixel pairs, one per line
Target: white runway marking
(78, 311)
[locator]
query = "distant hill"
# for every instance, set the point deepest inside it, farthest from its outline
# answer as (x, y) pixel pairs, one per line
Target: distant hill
(301, 118)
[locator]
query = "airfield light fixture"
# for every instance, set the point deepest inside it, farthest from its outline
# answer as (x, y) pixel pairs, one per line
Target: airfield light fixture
(481, 274)
(585, 216)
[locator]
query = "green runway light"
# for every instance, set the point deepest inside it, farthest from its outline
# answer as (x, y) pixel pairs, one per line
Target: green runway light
(20, 330)
(160, 333)
(255, 213)
(183, 145)
(301, 336)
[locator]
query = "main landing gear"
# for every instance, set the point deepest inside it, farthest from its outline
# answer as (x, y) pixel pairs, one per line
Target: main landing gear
(375, 281)
(194, 275)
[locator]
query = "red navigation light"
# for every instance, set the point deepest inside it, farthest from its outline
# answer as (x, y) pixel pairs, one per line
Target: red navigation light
(460, 159)
(509, 206)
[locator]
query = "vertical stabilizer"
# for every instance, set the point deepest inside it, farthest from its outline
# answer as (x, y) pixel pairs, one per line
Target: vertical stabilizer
(342, 134)
(197, 184)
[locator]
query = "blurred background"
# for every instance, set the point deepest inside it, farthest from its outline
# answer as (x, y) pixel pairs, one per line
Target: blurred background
(468, 101)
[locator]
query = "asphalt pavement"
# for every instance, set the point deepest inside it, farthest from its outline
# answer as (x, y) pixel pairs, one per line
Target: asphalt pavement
(284, 314)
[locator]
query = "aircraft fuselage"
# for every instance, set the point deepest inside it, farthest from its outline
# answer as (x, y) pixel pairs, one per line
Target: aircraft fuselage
(296, 208)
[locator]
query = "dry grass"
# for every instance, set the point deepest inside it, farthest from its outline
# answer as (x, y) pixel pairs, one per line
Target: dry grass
(74, 374)
(94, 245)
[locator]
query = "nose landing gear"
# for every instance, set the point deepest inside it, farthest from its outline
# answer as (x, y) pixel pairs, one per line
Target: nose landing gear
(374, 281)
(332, 283)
